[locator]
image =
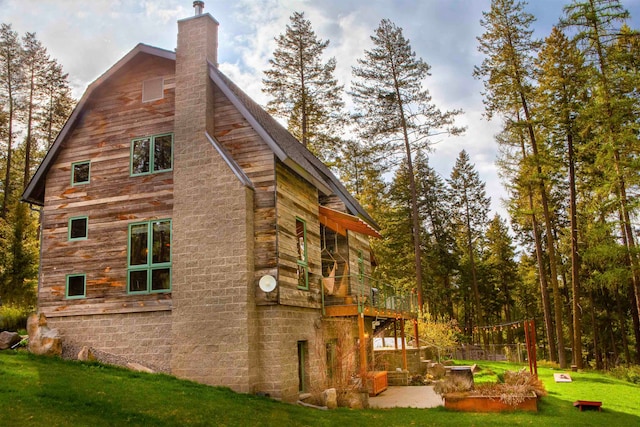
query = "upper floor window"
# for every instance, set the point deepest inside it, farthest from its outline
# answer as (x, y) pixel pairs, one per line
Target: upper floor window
(152, 154)
(80, 172)
(149, 258)
(78, 228)
(303, 260)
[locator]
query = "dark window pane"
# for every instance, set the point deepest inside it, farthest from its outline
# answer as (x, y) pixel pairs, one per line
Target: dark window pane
(81, 173)
(138, 281)
(140, 156)
(76, 286)
(161, 242)
(138, 245)
(78, 228)
(161, 279)
(162, 153)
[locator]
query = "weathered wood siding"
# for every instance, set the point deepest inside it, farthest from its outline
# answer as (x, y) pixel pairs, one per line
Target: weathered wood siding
(257, 160)
(297, 198)
(113, 117)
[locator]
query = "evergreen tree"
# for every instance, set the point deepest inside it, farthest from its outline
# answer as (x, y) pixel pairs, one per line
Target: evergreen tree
(508, 73)
(596, 23)
(470, 209)
(562, 81)
(11, 81)
(393, 108)
(303, 88)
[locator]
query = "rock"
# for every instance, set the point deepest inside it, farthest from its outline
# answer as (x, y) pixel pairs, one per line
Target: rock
(9, 339)
(140, 368)
(330, 398)
(42, 340)
(437, 370)
(86, 355)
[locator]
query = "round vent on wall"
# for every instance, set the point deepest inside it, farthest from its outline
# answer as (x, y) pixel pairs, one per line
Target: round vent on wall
(267, 283)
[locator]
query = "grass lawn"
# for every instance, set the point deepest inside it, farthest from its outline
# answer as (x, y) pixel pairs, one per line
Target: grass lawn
(38, 391)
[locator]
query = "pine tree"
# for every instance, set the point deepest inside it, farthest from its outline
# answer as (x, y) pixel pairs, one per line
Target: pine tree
(394, 109)
(304, 89)
(503, 269)
(508, 73)
(562, 81)
(11, 81)
(470, 209)
(596, 24)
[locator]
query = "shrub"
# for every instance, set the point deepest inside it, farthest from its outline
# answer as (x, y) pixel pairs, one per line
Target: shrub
(13, 318)
(453, 384)
(627, 373)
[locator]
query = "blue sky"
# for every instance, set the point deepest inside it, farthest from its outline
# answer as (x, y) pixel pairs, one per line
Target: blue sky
(88, 36)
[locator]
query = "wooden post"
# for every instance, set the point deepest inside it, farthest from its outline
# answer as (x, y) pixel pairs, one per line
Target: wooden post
(363, 349)
(415, 331)
(395, 334)
(404, 350)
(534, 346)
(527, 341)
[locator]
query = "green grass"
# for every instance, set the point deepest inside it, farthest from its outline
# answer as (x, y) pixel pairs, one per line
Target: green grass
(39, 391)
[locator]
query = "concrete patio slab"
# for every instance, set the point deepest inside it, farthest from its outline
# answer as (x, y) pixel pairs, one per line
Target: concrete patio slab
(407, 397)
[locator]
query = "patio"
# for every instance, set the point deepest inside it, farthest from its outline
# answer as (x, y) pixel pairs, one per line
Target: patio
(407, 397)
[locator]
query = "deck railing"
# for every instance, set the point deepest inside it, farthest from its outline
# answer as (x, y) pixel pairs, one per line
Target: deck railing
(367, 291)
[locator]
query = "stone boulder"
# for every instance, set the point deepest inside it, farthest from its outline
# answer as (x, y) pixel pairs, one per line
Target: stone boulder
(8, 339)
(330, 398)
(42, 340)
(86, 355)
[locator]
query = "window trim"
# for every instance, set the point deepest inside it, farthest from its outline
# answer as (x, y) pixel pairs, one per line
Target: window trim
(73, 173)
(149, 267)
(66, 291)
(86, 228)
(303, 263)
(152, 143)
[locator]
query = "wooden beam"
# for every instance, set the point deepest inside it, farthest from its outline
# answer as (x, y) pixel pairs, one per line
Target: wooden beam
(363, 349)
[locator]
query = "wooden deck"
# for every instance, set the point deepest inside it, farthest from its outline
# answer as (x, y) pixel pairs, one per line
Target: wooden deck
(353, 310)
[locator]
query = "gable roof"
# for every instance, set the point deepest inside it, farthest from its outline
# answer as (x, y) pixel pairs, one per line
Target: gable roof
(284, 145)
(34, 193)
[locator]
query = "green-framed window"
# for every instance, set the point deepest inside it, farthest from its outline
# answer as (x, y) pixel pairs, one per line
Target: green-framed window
(78, 228)
(303, 259)
(149, 257)
(152, 154)
(76, 286)
(80, 172)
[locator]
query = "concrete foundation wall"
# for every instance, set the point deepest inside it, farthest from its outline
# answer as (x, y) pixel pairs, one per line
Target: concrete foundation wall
(280, 330)
(141, 337)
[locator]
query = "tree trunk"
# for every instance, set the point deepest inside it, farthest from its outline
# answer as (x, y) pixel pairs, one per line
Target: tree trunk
(575, 260)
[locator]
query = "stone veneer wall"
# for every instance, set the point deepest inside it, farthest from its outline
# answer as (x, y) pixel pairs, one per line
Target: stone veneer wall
(141, 337)
(280, 329)
(391, 359)
(213, 318)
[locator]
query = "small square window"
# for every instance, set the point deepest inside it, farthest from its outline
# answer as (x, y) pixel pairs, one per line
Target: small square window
(80, 172)
(76, 286)
(78, 228)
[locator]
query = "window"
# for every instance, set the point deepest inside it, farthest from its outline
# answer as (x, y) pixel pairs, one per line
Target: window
(303, 366)
(303, 261)
(152, 154)
(80, 172)
(152, 89)
(78, 228)
(76, 286)
(149, 258)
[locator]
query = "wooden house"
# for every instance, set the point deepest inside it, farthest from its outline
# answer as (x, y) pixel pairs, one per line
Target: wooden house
(185, 229)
